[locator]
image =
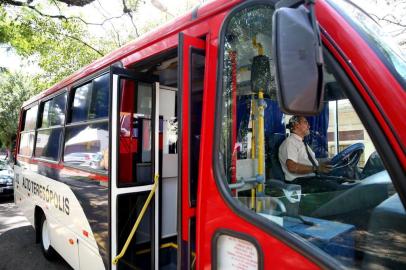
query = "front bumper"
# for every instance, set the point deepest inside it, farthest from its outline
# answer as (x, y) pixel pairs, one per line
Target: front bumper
(6, 190)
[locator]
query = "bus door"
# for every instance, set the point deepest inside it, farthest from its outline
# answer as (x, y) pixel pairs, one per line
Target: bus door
(134, 170)
(191, 85)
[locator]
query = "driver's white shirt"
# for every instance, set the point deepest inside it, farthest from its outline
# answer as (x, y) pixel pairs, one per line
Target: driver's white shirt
(294, 149)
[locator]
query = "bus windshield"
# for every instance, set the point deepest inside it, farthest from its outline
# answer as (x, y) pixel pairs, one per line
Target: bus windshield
(379, 40)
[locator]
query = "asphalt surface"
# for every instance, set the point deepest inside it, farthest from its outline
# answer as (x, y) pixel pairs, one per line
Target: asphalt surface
(18, 250)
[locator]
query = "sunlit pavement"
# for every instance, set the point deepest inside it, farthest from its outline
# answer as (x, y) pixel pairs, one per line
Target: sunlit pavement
(10, 216)
(18, 250)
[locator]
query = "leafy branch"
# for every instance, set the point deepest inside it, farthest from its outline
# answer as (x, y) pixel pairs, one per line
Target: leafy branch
(63, 17)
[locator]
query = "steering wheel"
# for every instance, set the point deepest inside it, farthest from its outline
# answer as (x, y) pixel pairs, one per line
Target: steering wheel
(345, 162)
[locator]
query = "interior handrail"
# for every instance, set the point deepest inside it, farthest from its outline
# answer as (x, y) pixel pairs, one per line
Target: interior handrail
(137, 222)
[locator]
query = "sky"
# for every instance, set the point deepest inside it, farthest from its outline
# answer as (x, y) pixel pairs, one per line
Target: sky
(149, 14)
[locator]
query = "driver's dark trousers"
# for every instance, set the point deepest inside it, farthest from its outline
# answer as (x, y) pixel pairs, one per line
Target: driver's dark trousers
(316, 184)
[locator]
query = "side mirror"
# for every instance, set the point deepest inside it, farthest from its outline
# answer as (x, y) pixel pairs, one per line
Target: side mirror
(298, 62)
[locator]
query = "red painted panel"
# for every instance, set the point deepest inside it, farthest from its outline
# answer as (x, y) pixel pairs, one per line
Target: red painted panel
(66, 170)
(187, 211)
(212, 212)
(128, 143)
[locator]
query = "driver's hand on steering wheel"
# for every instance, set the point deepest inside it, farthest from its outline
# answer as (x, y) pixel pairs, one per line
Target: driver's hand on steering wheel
(324, 168)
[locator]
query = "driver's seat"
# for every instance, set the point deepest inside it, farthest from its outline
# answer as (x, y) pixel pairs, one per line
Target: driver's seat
(275, 141)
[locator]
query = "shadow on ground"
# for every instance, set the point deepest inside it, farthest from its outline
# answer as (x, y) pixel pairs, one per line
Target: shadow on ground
(19, 251)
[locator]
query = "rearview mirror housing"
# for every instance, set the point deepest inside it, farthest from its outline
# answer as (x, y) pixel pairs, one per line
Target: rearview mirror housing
(298, 64)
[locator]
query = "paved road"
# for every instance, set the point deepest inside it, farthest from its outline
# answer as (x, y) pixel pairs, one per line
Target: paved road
(18, 250)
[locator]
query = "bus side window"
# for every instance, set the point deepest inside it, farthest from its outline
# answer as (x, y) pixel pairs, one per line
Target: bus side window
(86, 134)
(50, 128)
(28, 132)
(80, 106)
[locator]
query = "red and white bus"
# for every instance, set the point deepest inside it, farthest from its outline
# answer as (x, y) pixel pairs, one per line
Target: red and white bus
(164, 153)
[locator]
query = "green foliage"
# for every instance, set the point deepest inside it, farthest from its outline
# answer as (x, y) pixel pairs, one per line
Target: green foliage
(15, 88)
(59, 44)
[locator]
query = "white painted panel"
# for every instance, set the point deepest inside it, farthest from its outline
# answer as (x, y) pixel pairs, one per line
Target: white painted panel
(169, 206)
(167, 106)
(62, 210)
(169, 165)
(60, 236)
(89, 258)
(246, 168)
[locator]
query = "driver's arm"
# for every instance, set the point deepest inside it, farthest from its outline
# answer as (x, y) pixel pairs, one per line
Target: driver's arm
(298, 168)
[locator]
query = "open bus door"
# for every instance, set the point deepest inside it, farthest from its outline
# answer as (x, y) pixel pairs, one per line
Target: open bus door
(191, 77)
(134, 170)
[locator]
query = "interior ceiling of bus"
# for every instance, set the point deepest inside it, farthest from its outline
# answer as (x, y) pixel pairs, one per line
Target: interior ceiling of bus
(164, 65)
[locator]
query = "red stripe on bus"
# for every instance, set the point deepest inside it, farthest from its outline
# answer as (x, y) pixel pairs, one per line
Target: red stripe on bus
(68, 170)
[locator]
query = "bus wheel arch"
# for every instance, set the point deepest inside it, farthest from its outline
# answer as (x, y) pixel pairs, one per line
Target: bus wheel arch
(42, 233)
(38, 213)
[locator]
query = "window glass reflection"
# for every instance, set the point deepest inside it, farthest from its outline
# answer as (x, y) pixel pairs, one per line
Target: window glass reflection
(57, 112)
(100, 97)
(47, 144)
(91, 101)
(44, 122)
(31, 118)
(87, 146)
(54, 112)
(144, 99)
(26, 143)
(81, 102)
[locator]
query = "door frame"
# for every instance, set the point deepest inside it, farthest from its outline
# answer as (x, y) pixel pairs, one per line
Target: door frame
(186, 207)
(116, 73)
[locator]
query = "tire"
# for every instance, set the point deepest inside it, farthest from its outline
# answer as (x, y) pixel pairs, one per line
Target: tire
(46, 247)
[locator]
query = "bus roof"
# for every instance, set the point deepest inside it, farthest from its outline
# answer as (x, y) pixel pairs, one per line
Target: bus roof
(176, 25)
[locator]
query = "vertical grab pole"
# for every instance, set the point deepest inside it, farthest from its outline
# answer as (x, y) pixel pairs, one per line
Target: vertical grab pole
(261, 147)
(260, 81)
(253, 143)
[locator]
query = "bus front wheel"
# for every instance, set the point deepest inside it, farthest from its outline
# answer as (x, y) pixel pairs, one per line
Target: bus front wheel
(47, 249)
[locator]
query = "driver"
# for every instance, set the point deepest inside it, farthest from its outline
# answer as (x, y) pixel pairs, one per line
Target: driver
(299, 162)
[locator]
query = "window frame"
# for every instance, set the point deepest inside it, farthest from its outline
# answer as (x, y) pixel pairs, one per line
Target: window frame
(39, 120)
(299, 244)
(71, 98)
(149, 117)
(194, 182)
(22, 131)
(68, 117)
(368, 119)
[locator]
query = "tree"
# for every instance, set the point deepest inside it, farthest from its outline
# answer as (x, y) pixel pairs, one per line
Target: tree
(391, 15)
(15, 88)
(59, 44)
(59, 39)
(80, 3)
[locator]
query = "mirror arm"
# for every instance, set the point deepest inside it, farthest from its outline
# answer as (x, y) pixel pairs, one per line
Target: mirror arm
(288, 3)
(312, 14)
